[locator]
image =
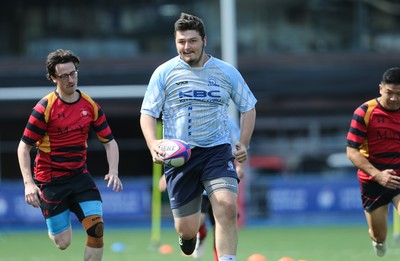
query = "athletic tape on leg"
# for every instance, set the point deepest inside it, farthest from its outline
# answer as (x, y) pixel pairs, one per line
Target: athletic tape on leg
(94, 227)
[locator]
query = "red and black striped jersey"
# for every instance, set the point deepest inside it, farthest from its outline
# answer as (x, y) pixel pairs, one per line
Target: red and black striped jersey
(60, 130)
(376, 133)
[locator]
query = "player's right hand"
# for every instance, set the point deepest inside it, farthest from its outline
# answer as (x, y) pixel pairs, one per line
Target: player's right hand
(32, 194)
(156, 153)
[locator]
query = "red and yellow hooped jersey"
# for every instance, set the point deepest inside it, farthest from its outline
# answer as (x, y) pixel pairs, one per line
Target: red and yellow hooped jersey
(375, 132)
(59, 130)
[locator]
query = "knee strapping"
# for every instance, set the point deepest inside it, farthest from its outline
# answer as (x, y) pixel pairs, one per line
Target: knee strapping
(94, 227)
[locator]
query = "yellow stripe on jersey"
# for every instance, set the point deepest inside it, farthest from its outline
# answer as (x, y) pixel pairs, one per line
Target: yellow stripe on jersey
(96, 111)
(364, 148)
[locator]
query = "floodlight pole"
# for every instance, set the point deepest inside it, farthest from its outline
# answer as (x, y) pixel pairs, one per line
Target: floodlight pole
(229, 41)
(228, 31)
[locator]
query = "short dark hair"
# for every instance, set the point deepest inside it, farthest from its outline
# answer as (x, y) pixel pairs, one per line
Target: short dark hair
(190, 22)
(391, 76)
(57, 57)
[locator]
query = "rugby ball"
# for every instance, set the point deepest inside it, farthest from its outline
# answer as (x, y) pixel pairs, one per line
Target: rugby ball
(177, 152)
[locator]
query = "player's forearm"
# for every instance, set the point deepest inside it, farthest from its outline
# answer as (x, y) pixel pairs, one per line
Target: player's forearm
(360, 162)
(112, 156)
(247, 122)
(24, 159)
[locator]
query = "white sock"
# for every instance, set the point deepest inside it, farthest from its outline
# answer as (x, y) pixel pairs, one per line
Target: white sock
(227, 258)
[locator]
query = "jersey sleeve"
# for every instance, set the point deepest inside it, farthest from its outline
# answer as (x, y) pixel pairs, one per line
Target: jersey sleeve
(358, 128)
(154, 97)
(101, 127)
(241, 93)
(36, 127)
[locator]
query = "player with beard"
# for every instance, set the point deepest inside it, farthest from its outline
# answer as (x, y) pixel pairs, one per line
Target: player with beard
(192, 93)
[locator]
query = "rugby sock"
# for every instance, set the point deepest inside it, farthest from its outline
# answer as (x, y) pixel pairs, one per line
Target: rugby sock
(227, 258)
(202, 231)
(215, 252)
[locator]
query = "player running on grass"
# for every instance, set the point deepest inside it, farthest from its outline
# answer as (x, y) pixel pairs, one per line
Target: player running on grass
(58, 127)
(373, 145)
(192, 91)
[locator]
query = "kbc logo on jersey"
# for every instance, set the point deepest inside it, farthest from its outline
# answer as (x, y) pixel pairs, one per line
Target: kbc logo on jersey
(200, 94)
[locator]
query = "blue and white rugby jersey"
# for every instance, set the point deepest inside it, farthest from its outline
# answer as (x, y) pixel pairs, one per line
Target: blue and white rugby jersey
(194, 100)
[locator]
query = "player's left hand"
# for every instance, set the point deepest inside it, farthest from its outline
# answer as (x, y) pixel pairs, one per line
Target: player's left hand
(388, 178)
(115, 181)
(241, 152)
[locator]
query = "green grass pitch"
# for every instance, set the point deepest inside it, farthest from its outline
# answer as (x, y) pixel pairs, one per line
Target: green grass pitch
(346, 243)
